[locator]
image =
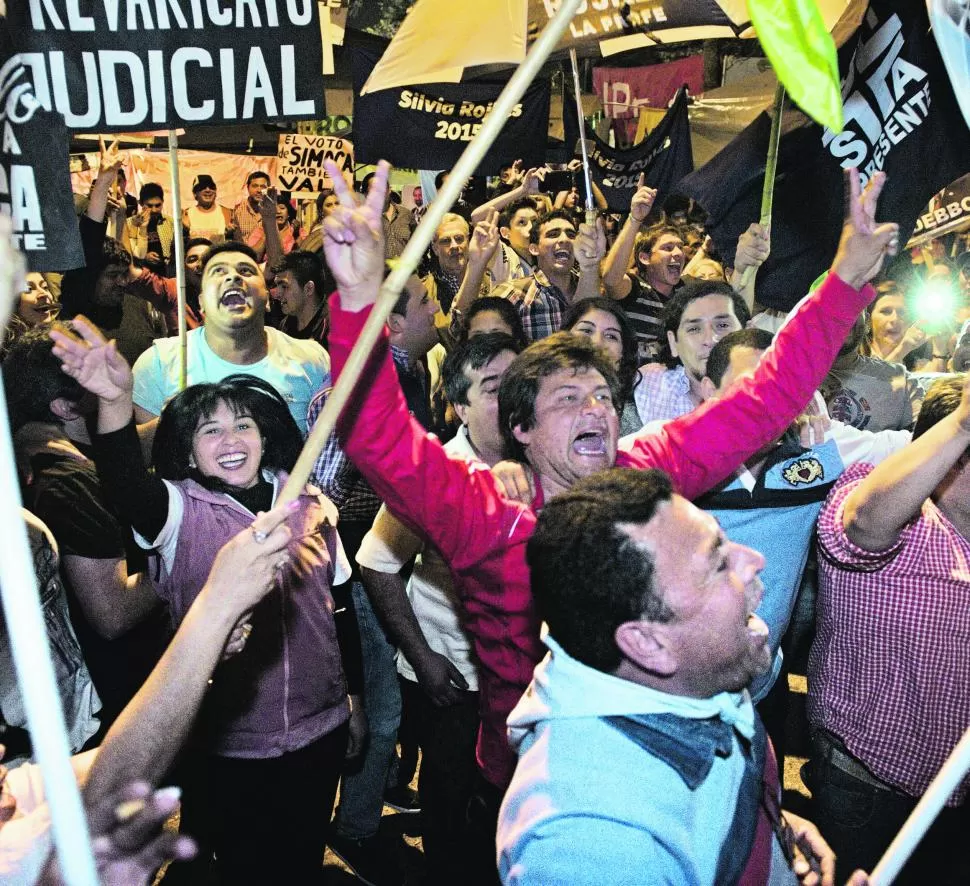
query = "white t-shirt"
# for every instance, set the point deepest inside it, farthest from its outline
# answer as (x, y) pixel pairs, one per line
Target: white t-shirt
(296, 368)
(430, 590)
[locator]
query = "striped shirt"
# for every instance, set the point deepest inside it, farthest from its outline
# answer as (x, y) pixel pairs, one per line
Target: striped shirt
(887, 674)
(644, 306)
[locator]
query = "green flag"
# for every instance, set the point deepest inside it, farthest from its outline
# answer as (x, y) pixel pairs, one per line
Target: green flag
(802, 52)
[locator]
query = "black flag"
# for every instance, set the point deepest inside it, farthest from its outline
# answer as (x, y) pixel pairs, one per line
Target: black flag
(35, 181)
(900, 116)
(664, 156)
(429, 126)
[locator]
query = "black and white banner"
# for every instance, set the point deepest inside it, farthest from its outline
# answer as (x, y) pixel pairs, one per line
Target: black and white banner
(664, 157)
(129, 65)
(35, 182)
(429, 126)
(901, 117)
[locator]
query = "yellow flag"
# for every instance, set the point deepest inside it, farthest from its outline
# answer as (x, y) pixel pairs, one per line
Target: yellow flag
(440, 38)
(802, 52)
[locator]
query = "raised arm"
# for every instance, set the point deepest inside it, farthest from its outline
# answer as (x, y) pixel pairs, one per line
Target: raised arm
(482, 247)
(616, 281)
(530, 185)
(140, 498)
(888, 498)
(754, 246)
(700, 449)
(589, 249)
(456, 507)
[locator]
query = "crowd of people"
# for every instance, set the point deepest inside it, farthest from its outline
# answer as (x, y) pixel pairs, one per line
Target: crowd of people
(586, 496)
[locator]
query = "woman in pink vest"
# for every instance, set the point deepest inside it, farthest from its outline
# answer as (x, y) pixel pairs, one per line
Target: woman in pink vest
(261, 773)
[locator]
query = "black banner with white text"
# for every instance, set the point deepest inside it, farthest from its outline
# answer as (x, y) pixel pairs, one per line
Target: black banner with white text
(35, 191)
(664, 157)
(429, 126)
(901, 117)
(135, 65)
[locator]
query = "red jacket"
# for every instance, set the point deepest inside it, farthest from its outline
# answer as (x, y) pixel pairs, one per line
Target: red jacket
(483, 536)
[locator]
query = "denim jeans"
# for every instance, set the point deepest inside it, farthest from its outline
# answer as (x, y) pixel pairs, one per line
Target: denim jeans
(859, 820)
(362, 788)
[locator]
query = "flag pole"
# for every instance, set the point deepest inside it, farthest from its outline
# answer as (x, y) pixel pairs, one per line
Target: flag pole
(173, 162)
(590, 204)
(29, 644)
(421, 239)
(771, 166)
(954, 769)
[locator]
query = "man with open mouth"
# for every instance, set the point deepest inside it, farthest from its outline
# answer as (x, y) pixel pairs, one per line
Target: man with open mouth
(233, 338)
(567, 269)
(557, 407)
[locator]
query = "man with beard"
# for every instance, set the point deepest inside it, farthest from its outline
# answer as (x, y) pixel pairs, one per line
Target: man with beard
(233, 338)
(568, 269)
(693, 320)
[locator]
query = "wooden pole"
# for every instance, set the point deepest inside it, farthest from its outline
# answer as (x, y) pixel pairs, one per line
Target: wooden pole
(771, 166)
(590, 203)
(173, 162)
(954, 770)
(29, 644)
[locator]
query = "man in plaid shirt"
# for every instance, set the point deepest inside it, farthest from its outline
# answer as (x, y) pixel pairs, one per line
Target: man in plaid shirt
(544, 297)
(889, 692)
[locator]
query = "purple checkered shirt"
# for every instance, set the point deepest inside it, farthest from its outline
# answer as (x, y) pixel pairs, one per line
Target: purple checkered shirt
(663, 393)
(889, 671)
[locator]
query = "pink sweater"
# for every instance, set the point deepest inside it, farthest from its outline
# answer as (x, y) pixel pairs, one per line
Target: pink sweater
(483, 536)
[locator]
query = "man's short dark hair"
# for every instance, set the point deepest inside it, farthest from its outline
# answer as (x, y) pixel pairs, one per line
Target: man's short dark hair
(942, 398)
(473, 354)
(674, 309)
(588, 575)
(719, 359)
(32, 379)
(520, 384)
(505, 219)
(256, 173)
(197, 241)
(149, 191)
(552, 215)
(307, 267)
(228, 246)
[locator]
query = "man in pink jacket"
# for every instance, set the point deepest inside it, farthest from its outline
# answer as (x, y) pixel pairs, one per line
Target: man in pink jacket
(557, 407)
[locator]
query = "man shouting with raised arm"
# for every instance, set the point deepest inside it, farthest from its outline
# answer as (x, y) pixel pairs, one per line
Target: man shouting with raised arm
(557, 408)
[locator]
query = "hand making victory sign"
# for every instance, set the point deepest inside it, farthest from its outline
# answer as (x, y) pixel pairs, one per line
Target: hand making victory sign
(353, 239)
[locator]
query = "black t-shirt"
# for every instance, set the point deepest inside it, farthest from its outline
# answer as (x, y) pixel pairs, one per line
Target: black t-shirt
(66, 495)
